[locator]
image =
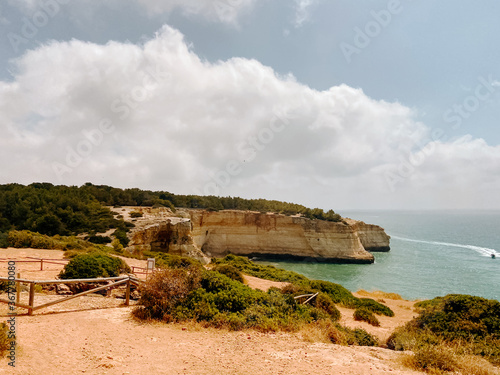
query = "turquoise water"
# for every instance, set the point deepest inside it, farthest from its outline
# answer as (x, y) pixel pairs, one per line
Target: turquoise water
(433, 253)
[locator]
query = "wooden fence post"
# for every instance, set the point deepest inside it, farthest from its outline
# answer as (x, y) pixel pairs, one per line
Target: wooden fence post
(41, 264)
(18, 288)
(32, 299)
(127, 294)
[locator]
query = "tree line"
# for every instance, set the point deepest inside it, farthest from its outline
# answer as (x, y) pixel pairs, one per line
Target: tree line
(70, 210)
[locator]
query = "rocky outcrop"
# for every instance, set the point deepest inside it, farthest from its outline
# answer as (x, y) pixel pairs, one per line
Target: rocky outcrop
(202, 234)
(372, 237)
(171, 236)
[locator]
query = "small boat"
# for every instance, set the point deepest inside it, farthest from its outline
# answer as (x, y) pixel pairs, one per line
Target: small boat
(493, 256)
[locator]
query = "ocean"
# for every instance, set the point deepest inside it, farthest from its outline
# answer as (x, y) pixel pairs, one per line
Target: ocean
(433, 253)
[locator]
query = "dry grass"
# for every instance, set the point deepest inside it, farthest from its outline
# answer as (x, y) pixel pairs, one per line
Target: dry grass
(442, 359)
(379, 294)
(323, 331)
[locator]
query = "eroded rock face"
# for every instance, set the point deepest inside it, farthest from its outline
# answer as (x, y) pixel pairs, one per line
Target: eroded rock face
(215, 234)
(372, 237)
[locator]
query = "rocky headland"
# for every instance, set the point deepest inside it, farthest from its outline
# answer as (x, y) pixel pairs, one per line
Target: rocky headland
(204, 234)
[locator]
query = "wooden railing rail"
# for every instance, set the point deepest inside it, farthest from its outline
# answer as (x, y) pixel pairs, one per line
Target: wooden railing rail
(115, 281)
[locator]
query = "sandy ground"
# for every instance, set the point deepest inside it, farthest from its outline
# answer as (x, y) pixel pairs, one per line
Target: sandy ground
(110, 342)
(92, 335)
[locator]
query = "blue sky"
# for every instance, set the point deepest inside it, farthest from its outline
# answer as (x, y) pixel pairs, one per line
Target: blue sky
(336, 104)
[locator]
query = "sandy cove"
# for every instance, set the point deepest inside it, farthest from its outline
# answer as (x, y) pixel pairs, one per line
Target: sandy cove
(110, 341)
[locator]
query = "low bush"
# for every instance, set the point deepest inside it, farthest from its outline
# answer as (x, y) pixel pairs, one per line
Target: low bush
(218, 301)
(26, 239)
(467, 325)
(325, 303)
(4, 243)
(362, 314)
(136, 214)
(121, 235)
(434, 358)
(163, 260)
(92, 265)
(164, 292)
(302, 285)
(229, 271)
(344, 297)
(327, 331)
(258, 270)
(102, 240)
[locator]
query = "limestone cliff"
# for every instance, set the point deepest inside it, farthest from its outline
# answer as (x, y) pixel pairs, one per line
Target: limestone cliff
(372, 237)
(202, 234)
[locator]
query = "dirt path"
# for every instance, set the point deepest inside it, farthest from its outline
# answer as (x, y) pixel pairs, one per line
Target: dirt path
(110, 342)
(93, 336)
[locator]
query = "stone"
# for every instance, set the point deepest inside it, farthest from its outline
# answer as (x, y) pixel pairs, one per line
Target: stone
(63, 289)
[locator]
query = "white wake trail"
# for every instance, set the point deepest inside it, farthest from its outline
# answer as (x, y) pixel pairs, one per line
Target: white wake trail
(484, 251)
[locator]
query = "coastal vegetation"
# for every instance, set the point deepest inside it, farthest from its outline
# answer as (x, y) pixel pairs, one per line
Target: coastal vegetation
(92, 265)
(450, 333)
(301, 284)
(218, 297)
(365, 315)
(71, 210)
(215, 300)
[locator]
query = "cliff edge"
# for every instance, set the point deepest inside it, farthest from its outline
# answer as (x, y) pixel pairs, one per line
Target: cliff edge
(204, 234)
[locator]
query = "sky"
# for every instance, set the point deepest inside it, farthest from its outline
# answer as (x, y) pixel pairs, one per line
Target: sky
(336, 104)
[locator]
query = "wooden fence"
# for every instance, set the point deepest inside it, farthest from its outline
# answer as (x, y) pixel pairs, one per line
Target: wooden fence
(115, 281)
(62, 262)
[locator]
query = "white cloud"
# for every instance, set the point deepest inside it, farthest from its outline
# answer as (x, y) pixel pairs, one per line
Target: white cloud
(302, 9)
(172, 121)
(227, 11)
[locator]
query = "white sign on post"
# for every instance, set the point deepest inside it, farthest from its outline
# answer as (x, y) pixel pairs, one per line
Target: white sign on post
(151, 264)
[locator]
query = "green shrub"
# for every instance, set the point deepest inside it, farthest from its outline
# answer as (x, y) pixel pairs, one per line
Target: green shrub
(374, 306)
(117, 246)
(257, 270)
(121, 235)
(27, 239)
(218, 301)
(363, 338)
(325, 303)
(92, 265)
(135, 214)
(336, 292)
(171, 261)
(102, 240)
(362, 314)
(344, 297)
(229, 271)
(4, 242)
(459, 316)
(458, 320)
